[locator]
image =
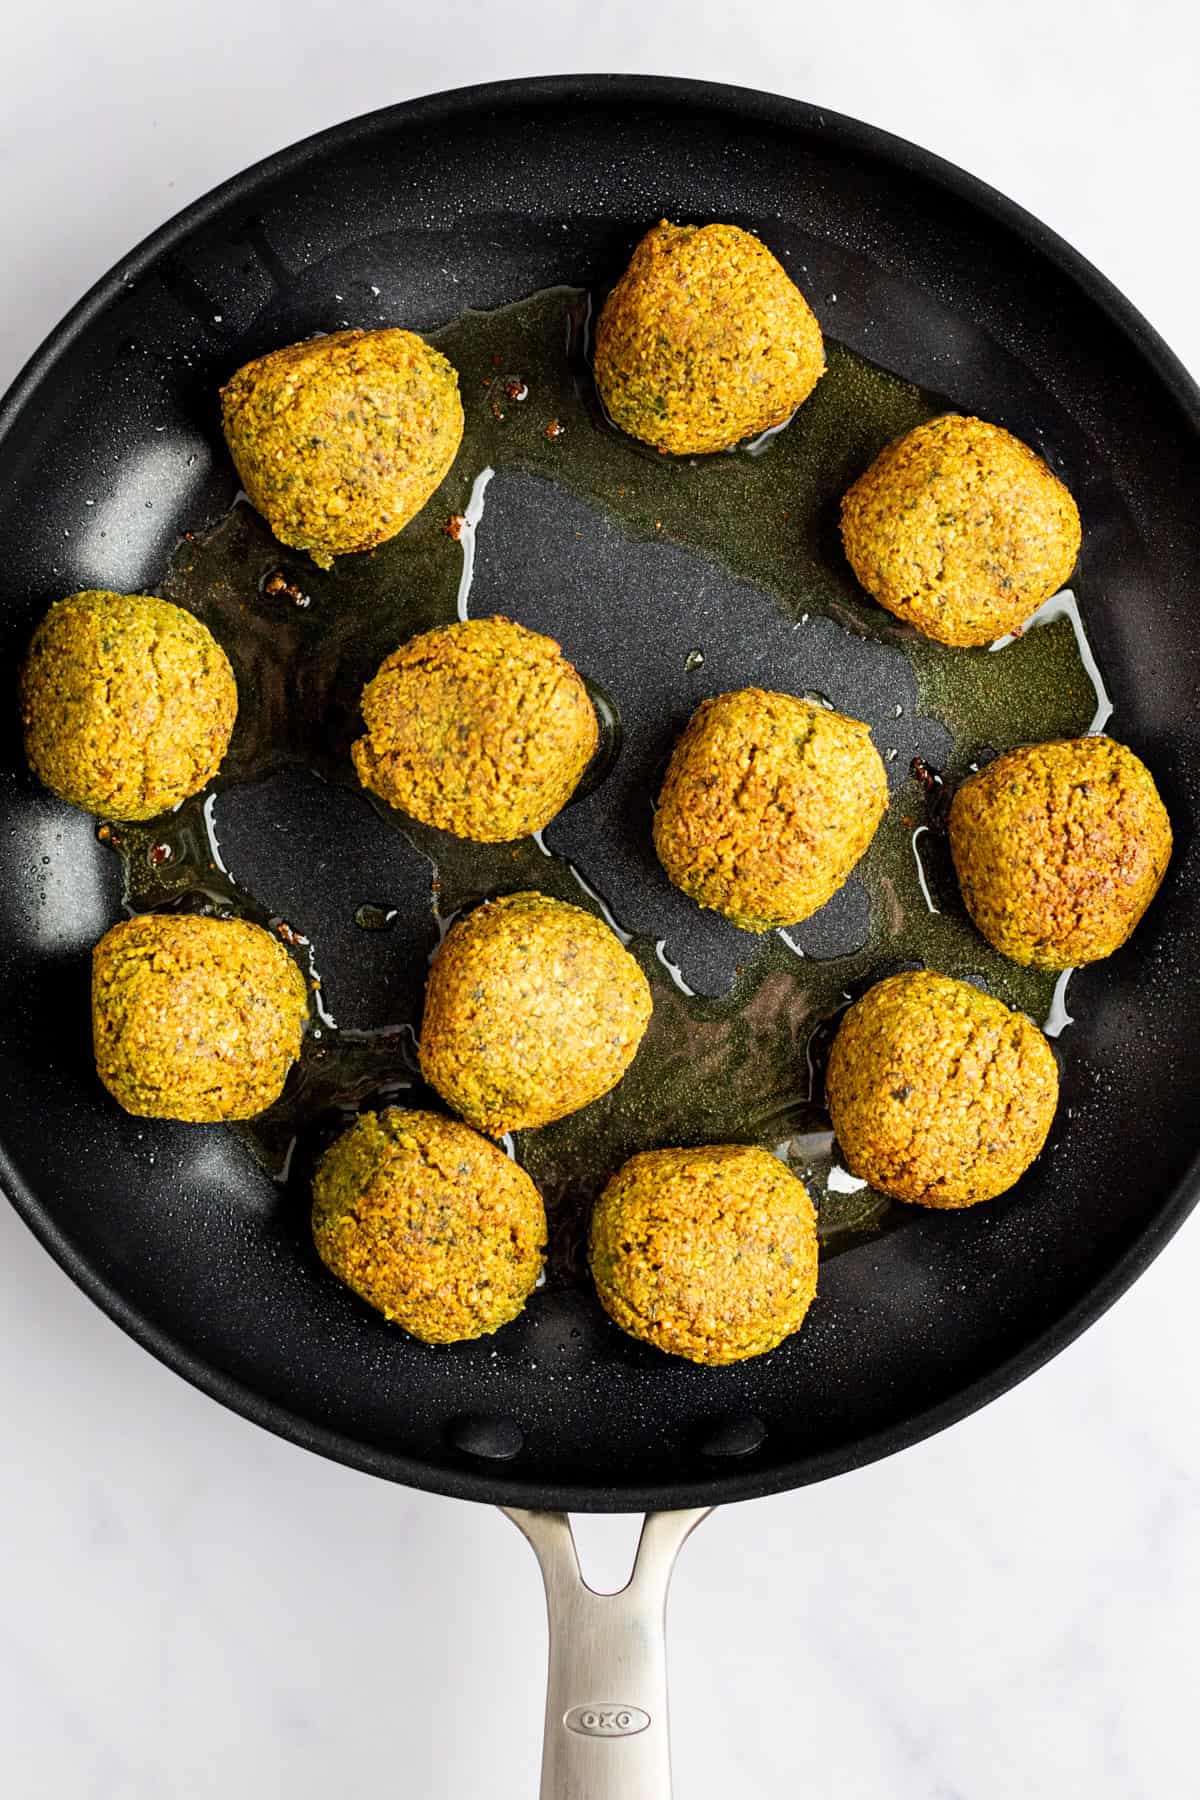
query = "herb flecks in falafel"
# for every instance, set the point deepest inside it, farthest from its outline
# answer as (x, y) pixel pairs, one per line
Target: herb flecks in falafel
(481, 728)
(939, 1094)
(705, 341)
(341, 440)
(128, 703)
(768, 803)
(961, 530)
(710, 1254)
(1059, 849)
(429, 1223)
(195, 1018)
(533, 1010)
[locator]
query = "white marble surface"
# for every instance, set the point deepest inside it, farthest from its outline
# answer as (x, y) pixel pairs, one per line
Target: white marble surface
(193, 1609)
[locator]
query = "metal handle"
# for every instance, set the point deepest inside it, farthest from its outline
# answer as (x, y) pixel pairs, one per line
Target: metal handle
(606, 1696)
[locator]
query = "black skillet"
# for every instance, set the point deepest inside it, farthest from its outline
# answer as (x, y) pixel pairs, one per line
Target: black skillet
(475, 198)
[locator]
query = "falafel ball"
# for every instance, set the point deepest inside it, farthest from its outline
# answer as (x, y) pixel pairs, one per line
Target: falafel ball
(939, 1094)
(705, 341)
(195, 1018)
(768, 803)
(339, 441)
(128, 703)
(960, 529)
(428, 1223)
(1059, 849)
(481, 728)
(709, 1254)
(533, 1009)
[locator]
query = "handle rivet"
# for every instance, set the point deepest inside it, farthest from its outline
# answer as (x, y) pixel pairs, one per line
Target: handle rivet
(734, 1434)
(486, 1434)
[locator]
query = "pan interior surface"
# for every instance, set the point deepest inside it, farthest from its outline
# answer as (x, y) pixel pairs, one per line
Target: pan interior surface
(111, 449)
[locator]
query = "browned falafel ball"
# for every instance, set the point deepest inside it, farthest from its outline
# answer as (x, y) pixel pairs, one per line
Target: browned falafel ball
(428, 1223)
(939, 1094)
(709, 1254)
(533, 1010)
(481, 728)
(195, 1018)
(1059, 849)
(705, 340)
(340, 440)
(961, 529)
(768, 803)
(128, 703)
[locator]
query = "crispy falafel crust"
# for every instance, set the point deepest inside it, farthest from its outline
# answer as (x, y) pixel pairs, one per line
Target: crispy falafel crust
(768, 803)
(961, 529)
(705, 340)
(938, 1093)
(533, 1009)
(481, 728)
(428, 1223)
(709, 1254)
(127, 702)
(1059, 849)
(195, 1018)
(340, 440)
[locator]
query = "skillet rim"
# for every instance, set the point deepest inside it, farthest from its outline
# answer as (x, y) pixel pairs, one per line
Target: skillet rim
(495, 1485)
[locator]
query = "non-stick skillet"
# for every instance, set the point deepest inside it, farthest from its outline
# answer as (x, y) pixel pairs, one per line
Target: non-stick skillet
(475, 198)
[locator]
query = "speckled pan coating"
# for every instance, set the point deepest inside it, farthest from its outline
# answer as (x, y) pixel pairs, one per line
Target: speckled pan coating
(195, 1018)
(533, 1009)
(710, 1254)
(428, 1223)
(1059, 849)
(768, 803)
(127, 703)
(481, 728)
(340, 440)
(938, 1093)
(961, 530)
(705, 340)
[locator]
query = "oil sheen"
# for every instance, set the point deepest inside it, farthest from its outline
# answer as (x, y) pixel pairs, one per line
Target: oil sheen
(665, 579)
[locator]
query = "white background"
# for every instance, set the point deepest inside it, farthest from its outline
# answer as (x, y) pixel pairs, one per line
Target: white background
(190, 1609)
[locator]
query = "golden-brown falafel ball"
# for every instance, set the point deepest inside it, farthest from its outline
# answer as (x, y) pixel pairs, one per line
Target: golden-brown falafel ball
(481, 728)
(339, 441)
(128, 703)
(195, 1018)
(768, 803)
(961, 529)
(705, 340)
(709, 1254)
(1060, 849)
(533, 1009)
(428, 1223)
(938, 1093)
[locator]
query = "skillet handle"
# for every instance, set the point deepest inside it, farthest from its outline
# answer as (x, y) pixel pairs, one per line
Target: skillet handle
(606, 1697)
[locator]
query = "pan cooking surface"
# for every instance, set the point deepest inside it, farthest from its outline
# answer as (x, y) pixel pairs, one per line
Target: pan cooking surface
(111, 448)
